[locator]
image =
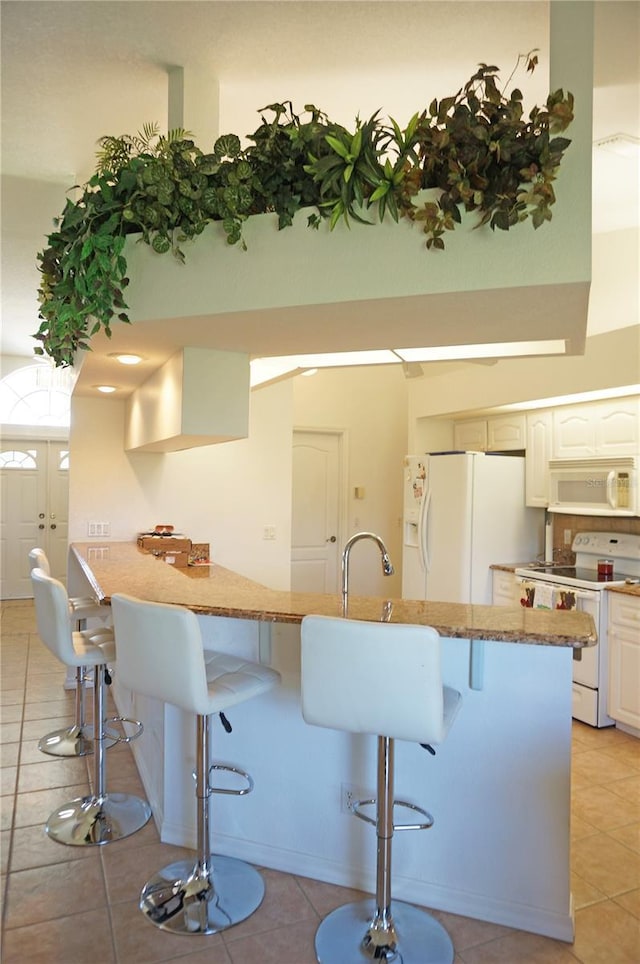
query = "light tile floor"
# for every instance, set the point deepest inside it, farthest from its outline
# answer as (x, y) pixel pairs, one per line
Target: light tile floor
(66, 905)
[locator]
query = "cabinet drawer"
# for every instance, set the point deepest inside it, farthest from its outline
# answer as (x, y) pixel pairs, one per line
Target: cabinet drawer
(624, 611)
(584, 704)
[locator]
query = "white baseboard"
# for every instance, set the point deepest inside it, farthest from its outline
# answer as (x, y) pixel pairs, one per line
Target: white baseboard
(534, 919)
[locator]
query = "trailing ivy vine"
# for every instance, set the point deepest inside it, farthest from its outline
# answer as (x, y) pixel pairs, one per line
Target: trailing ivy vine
(475, 147)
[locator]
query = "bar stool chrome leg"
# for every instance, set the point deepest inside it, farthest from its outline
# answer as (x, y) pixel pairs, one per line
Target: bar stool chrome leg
(377, 930)
(101, 817)
(214, 892)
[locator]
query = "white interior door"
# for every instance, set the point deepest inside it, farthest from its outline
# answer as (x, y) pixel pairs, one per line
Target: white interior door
(315, 523)
(35, 497)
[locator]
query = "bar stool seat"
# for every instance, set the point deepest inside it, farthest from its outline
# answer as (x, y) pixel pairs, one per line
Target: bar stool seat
(98, 818)
(77, 739)
(382, 679)
(160, 654)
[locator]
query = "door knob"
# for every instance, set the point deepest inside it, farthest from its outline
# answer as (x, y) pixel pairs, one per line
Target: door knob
(41, 515)
(41, 526)
(53, 526)
(332, 539)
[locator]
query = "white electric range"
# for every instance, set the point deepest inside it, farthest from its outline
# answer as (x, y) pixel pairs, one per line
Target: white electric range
(549, 586)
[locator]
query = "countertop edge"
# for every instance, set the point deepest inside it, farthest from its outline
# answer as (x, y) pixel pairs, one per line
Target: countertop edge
(250, 600)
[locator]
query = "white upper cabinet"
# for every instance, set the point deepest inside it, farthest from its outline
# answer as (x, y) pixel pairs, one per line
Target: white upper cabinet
(597, 429)
(618, 427)
(502, 433)
(470, 435)
(506, 433)
(539, 428)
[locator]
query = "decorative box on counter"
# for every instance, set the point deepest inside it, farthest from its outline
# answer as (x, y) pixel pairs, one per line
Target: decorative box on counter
(172, 548)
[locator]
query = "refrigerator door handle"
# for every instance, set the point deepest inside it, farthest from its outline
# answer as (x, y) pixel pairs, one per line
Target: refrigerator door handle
(422, 531)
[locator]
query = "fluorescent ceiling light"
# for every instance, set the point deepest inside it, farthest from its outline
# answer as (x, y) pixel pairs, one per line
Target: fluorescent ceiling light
(505, 349)
(268, 370)
(342, 359)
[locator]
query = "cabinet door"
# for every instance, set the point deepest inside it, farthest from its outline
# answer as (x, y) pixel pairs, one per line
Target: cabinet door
(618, 427)
(506, 433)
(504, 588)
(624, 659)
(574, 432)
(470, 436)
(537, 458)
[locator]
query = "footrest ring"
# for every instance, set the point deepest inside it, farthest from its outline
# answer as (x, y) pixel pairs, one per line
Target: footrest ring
(125, 719)
(356, 805)
(229, 769)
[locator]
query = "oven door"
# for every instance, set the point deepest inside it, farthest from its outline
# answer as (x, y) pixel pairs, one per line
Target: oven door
(586, 659)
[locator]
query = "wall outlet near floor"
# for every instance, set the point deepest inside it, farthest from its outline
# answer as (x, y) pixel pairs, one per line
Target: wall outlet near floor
(350, 794)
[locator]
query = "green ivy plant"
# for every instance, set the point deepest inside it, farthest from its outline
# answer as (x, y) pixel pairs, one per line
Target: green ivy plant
(475, 147)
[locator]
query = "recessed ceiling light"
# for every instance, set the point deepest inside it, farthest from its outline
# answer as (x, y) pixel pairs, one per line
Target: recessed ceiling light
(126, 359)
(106, 389)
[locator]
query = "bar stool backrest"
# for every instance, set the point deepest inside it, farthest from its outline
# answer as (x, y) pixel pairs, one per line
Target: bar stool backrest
(159, 652)
(52, 616)
(379, 678)
(38, 560)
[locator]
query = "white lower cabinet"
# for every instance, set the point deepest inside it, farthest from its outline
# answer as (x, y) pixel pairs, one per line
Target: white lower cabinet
(624, 659)
(504, 588)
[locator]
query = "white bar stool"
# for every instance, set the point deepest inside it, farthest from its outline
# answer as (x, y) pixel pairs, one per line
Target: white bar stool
(100, 817)
(75, 740)
(384, 679)
(160, 654)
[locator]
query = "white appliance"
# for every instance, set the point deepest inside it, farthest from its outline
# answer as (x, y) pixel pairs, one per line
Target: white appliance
(464, 511)
(580, 587)
(595, 486)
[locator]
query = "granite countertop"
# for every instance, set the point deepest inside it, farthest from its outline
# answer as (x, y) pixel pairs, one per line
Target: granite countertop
(214, 590)
(631, 589)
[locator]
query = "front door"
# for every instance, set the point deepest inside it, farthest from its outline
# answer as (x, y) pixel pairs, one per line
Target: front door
(35, 497)
(315, 522)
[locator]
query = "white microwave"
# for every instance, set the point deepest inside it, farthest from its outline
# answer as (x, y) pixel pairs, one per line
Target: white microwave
(607, 486)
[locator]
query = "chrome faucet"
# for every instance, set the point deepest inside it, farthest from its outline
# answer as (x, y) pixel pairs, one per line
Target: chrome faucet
(387, 567)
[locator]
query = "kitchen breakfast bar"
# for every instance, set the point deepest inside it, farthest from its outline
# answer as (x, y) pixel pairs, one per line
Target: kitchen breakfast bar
(498, 787)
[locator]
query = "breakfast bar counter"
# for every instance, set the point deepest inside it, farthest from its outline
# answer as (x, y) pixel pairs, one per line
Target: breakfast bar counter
(498, 787)
(216, 591)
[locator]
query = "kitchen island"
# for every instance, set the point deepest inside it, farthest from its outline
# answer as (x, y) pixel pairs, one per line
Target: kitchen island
(499, 787)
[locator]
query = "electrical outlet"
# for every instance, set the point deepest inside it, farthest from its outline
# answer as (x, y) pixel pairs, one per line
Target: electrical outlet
(567, 537)
(350, 794)
(98, 529)
(269, 532)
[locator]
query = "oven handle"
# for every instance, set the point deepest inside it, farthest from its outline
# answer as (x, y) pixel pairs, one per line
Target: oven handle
(611, 498)
(580, 593)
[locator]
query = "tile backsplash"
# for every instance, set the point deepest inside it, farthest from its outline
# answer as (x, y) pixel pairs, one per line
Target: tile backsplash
(586, 523)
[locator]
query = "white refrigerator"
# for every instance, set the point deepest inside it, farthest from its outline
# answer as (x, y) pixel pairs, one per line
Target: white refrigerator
(463, 512)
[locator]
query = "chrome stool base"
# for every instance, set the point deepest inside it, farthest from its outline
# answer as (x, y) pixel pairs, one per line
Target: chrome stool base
(91, 821)
(184, 898)
(73, 741)
(421, 939)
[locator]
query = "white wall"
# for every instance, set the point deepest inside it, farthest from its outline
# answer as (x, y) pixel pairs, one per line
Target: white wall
(370, 404)
(221, 494)
(225, 494)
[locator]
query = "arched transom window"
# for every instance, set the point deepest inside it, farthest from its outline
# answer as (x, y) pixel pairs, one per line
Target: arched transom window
(36, 395)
